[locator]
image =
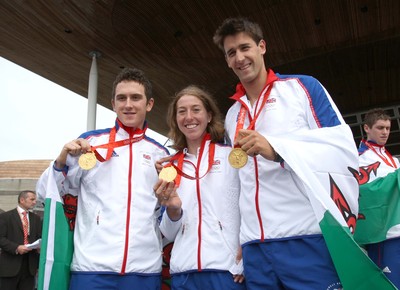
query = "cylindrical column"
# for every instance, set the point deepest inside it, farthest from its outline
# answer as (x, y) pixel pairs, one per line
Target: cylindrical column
(92, 92)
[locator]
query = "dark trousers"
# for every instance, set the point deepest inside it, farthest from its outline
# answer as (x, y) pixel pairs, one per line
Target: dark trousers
(23, 281)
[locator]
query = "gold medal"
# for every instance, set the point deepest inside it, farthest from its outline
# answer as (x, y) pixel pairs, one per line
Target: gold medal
(237, 158)
(87, 161)
(168, 174)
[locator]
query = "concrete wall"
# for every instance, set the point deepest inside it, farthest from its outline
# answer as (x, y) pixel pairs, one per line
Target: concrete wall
(16, 176)
(10, 188)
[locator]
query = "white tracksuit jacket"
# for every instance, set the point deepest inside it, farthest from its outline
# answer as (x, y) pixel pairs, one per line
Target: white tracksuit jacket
(117, 227)
(207, 235)
(368, 157)
(272, 204)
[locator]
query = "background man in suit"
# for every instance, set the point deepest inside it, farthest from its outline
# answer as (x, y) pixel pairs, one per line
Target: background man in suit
(18, 263)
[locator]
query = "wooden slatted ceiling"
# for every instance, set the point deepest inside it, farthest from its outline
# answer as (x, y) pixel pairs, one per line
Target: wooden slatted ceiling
(351, 46)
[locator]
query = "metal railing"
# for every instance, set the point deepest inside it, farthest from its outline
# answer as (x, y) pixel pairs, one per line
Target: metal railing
(355, 121)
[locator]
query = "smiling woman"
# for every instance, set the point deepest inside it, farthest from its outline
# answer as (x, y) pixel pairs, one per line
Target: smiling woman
(39, 116)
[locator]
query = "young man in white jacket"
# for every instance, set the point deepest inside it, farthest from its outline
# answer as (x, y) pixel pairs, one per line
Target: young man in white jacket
(377, 163)
(117, 241)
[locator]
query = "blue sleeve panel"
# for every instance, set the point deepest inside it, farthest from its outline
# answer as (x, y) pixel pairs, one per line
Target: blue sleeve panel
(157, 144)
(362, 148)
(321, 103)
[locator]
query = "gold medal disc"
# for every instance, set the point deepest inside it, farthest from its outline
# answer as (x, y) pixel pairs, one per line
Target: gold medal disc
(168, 174)
(87, 161)
(237, 158)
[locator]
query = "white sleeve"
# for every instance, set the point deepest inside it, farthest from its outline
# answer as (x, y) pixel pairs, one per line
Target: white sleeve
(170, 228)
(41, 184)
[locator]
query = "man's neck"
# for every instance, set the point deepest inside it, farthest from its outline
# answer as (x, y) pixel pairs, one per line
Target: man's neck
(22, 208)
(255, 87)
(374, 143)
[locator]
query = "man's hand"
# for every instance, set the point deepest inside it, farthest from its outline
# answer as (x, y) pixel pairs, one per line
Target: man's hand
(75, 147)
(22, 249)
(253, 143)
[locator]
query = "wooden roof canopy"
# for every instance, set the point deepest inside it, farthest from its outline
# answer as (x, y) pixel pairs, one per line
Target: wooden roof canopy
(351, 46)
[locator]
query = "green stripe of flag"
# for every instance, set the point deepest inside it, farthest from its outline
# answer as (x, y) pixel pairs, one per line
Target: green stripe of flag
(355, 269)
(57, 248)
(380, 208)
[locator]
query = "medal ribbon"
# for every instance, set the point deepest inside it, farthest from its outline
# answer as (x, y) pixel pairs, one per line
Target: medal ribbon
(241, 116)
(180, 158)
(381, 156)
(114, 144)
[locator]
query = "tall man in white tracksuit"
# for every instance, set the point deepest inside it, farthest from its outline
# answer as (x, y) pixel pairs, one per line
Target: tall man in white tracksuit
(286, 125)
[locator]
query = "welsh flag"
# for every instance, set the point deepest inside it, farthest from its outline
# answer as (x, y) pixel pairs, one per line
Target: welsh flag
(327, 175)
(57, 242)
(355, 269)
(379, 207)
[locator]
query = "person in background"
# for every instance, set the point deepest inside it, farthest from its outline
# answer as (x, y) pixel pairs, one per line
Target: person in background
(285, 131)
(117, 242)
(202, 213)
(19, 228)
(379, 169)
(377, 125)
